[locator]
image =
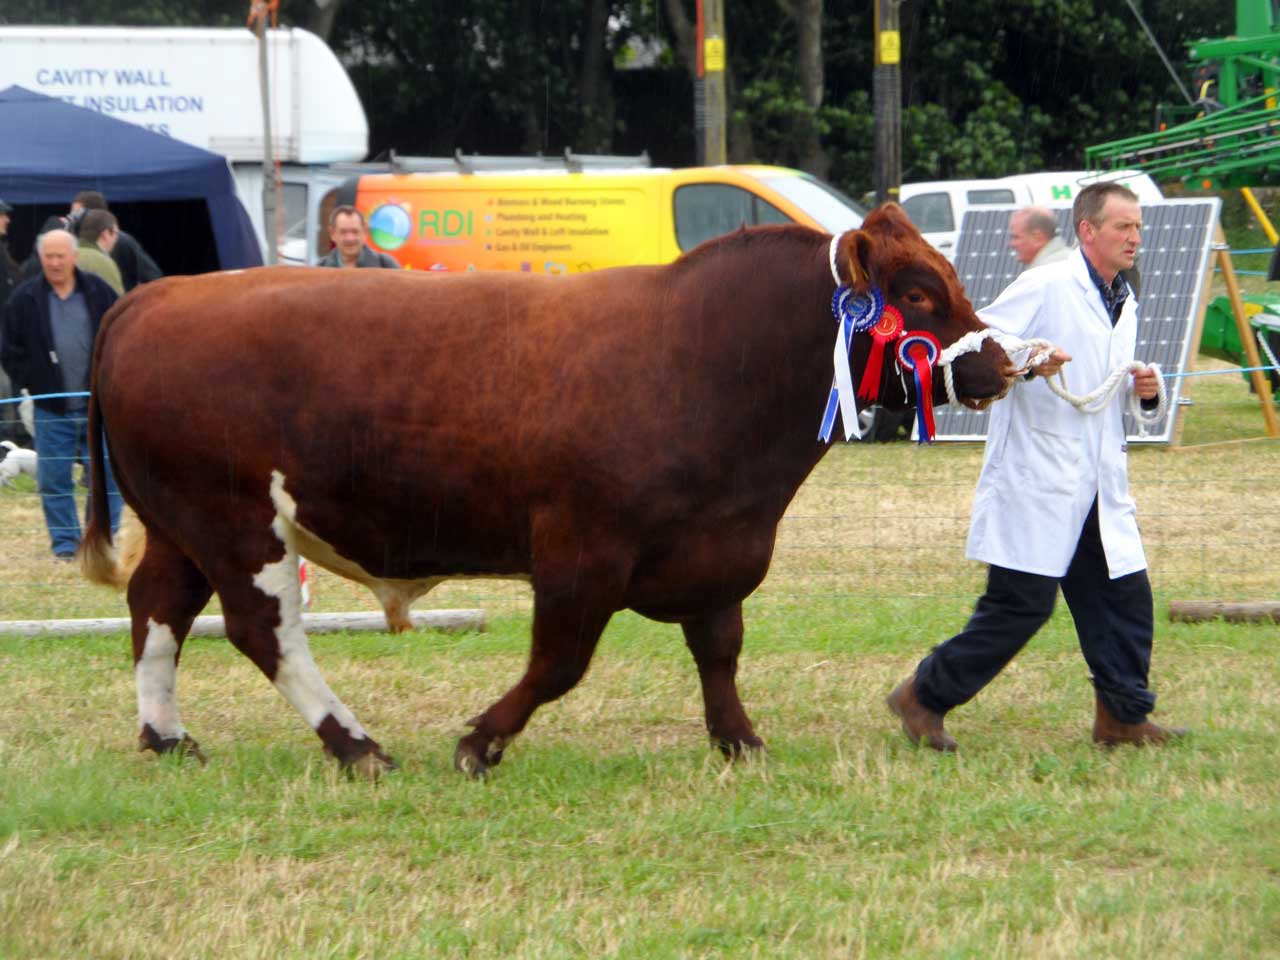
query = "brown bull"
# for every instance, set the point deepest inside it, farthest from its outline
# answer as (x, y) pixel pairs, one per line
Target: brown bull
(627, 438)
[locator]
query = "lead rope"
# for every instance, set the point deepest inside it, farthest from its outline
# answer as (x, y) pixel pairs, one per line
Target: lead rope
(1099, 399)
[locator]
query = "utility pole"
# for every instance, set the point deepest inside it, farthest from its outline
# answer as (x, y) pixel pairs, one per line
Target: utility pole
(709, 100)
(887, 94)
(258, 19)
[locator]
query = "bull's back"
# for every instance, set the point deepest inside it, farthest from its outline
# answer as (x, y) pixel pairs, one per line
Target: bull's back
(460, 398)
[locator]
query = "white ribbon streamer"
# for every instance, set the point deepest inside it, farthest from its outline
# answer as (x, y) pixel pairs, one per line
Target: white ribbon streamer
(843, 382)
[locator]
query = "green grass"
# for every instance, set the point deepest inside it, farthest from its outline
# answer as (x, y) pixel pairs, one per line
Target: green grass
(611, 829)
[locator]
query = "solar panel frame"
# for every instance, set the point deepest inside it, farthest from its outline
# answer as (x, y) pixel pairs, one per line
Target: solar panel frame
(1175, 256)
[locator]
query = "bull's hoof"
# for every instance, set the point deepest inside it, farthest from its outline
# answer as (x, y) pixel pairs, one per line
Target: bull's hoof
(738, 748)
(361, 758)
(370, 766)
(476, 754)
(184, 746)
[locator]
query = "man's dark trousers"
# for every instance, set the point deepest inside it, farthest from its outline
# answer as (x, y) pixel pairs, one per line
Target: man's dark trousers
(1113, 619)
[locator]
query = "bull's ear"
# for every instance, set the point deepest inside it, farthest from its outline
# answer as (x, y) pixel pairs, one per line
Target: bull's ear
(853, 260)
(889, 219)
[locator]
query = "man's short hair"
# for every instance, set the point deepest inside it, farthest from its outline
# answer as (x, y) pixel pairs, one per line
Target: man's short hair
(59, 232)
(1040, 220)
(96, 223)
(90, 200)
(1090, 201)
(345, 210)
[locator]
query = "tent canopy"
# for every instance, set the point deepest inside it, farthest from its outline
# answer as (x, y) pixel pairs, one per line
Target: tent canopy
(50, 150)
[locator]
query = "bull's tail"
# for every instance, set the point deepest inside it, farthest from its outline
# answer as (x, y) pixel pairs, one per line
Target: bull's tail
(97, 553)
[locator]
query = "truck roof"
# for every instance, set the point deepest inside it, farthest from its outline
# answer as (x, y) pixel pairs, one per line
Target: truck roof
(199, 85)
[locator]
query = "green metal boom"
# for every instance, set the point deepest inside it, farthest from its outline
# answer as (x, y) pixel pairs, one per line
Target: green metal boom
(1235, 140)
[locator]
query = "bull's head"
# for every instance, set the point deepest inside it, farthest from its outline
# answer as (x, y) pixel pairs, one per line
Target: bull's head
(889, 253)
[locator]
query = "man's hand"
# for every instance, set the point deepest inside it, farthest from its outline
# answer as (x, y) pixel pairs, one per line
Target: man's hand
(1146, 384)
(1053, 364)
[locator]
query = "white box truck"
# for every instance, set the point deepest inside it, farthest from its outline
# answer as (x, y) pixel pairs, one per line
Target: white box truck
(200, 85)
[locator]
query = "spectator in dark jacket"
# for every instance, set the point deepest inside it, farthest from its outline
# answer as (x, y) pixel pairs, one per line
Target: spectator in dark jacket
(10, 276)
(135, 265)
(46, 345)
(10, 269)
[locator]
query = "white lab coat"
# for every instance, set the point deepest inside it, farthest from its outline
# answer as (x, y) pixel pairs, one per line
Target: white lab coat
(1045, 461)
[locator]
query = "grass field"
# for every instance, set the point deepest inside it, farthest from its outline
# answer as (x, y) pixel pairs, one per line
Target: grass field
(612, 830)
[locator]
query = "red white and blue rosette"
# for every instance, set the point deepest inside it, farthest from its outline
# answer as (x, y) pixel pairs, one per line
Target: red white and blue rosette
(856, 314)
(918, 351)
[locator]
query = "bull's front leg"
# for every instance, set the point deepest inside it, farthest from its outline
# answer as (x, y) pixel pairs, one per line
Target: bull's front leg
(715, 642)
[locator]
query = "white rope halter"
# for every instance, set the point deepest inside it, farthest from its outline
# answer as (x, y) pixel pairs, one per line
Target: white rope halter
(1091, 403)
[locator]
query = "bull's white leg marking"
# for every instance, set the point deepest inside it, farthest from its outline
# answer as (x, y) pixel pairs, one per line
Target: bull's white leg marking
(297, 677)
(156, 676)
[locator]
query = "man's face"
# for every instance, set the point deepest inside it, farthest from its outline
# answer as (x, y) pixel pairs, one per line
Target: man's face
(347, 234)
(57, 259)
(1112, 243)
(4, 224)
(107, 240)
(1026, 243)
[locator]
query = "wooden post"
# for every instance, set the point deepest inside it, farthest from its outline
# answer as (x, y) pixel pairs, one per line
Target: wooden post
(709, 108)
(886, 85)
(1261, 385)
(269, 199)
(1197, 611)
(212, 625)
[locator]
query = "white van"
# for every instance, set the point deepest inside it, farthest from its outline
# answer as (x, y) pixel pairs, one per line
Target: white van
(937, 207)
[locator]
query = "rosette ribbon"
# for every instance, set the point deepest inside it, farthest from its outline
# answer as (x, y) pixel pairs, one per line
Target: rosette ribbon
(855, 315)
(918, 351)
(885, 331)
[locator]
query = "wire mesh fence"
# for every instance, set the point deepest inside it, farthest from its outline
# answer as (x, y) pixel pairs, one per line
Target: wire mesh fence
(873, 521)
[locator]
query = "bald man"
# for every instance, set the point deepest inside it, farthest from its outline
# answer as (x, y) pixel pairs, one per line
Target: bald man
(46, 346)
(1033, 237)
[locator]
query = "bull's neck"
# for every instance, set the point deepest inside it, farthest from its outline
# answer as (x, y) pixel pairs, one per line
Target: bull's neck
(777, 359)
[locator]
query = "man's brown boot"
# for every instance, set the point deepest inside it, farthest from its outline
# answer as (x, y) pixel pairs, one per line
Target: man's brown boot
(919, 723)
(1110, 732)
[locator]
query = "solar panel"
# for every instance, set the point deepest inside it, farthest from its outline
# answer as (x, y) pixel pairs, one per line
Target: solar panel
(1176, 253)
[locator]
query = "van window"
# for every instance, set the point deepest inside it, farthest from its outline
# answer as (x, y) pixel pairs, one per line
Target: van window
(990, 196)
(706, 210)
(830, 209)
(930, 212)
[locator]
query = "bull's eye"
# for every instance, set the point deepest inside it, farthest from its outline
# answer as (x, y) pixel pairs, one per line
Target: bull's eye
(917, 299)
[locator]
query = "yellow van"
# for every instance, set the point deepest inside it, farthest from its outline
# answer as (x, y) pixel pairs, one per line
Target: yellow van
(566, 220)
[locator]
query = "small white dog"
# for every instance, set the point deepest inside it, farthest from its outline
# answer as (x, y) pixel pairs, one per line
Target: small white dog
(15, 460)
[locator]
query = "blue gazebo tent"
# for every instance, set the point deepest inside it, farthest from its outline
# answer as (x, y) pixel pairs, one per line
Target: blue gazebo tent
(50, 150)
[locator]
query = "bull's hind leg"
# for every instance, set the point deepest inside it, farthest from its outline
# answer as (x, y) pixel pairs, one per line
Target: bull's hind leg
(166, 592)
(570, 610)
(262, 604)
(715, 643)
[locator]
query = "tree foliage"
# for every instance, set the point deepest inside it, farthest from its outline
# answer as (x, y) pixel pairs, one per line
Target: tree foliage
(990, 87)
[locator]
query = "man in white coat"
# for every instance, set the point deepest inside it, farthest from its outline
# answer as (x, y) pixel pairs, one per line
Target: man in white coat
(1052, 506)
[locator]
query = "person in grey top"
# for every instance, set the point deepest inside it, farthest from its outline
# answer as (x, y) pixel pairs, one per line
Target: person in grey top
(1033, 236)
(46, 345)
(347, 231)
